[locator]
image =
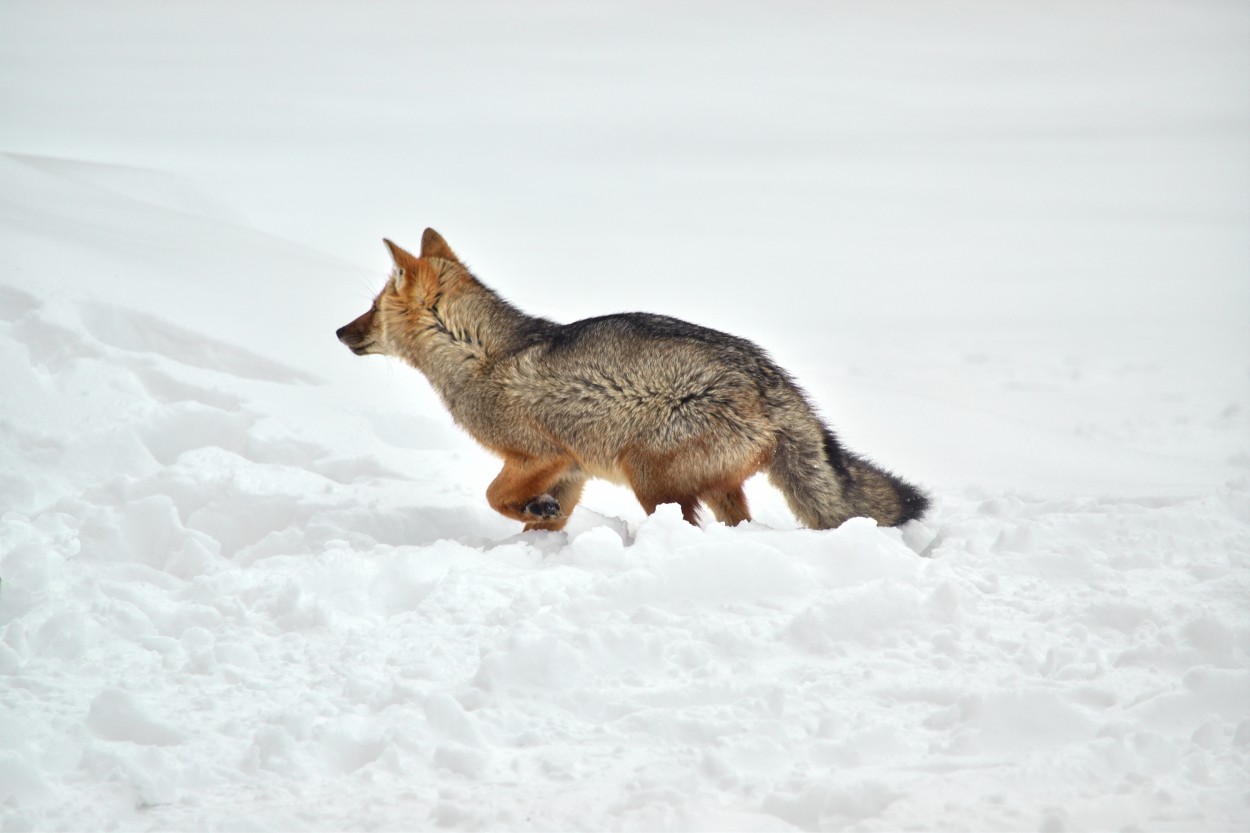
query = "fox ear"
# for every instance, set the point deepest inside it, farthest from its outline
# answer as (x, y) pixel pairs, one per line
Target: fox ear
(433, 245)
(413, 273)
(401, 257)
(404, 264)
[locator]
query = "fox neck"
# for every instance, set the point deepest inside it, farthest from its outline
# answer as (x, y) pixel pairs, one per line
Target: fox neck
(464, 338)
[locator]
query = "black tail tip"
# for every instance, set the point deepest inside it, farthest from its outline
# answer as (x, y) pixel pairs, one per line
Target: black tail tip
(913, 503)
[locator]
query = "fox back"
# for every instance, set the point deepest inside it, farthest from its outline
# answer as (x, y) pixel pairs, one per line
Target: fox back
(677, 412)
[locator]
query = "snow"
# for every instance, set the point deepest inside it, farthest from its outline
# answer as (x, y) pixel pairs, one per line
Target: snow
(251, 582)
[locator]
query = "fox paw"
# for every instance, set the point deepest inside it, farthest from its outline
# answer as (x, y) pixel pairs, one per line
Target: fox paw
(543, 506)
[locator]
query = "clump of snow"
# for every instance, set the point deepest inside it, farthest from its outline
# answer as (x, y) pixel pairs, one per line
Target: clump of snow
(250, 581)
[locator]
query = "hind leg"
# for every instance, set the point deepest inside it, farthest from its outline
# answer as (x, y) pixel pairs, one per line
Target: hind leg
(689, 506)
(655, 480)
(728, 505)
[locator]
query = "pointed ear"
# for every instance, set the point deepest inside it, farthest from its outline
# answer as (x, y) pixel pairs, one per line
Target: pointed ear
(413, 274)
(433, 245)
(405, 265)
(401, 257)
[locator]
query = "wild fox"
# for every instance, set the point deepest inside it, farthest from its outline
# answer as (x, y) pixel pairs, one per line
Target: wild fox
(679, 413)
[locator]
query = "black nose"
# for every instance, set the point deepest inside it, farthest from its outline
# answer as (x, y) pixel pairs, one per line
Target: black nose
(339, 332)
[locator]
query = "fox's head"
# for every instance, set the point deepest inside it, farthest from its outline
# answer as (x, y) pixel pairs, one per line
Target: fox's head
(406, 313)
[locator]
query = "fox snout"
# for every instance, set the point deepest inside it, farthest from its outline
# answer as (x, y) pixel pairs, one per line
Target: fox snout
(358, 335)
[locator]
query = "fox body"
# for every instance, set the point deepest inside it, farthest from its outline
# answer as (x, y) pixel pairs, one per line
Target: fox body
(678, 413)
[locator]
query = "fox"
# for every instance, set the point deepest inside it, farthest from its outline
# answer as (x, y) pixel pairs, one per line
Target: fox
(676, 412)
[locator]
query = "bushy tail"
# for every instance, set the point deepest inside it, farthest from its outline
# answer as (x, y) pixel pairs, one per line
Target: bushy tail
(825, 484)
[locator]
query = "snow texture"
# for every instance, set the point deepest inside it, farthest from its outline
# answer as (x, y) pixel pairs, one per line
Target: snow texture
(251, 582)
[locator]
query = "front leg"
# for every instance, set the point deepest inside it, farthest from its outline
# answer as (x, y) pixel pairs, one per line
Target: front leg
(544, 507)
(564, 495)
(539, 491)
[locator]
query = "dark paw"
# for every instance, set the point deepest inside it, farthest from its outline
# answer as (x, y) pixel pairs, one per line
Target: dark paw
(543, 506)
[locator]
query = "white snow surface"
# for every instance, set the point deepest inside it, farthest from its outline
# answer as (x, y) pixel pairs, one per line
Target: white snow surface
(251, 582)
